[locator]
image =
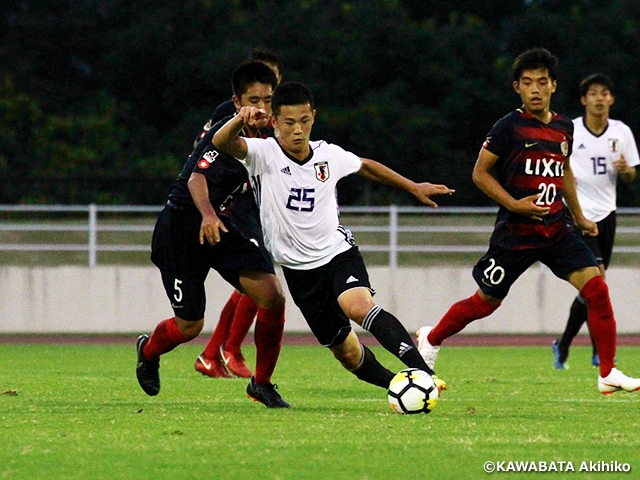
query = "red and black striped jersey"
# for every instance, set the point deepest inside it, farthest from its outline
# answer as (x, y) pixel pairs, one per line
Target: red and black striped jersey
(227, 182)
(531, 159)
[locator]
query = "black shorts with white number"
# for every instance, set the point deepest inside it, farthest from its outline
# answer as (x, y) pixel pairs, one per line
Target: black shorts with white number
(316, 293)
(500, 267)
(184, 263)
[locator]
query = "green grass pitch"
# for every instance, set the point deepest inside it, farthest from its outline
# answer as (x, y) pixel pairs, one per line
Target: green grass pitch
(76, 412)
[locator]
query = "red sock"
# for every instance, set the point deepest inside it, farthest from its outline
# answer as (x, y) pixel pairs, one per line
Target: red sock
(602, 324)
(242, 320)
(268, 339)
(164, 338)
(460, 315)
(221, 332)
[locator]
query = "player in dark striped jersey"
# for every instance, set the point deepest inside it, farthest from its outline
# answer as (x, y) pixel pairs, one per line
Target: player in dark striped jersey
(223, 351)
(531, 159)
(524, 166)
(194, 234)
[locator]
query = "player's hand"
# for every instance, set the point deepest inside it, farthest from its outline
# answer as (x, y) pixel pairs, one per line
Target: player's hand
(587, 227)
(625, 171)
(211, 229)
(527, 207)
(254, 117)
(426, 190)
(621, 164)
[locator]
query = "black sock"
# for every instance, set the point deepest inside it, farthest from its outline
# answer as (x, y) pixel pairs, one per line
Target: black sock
(577, 316)
(394, 337)
(371, 370)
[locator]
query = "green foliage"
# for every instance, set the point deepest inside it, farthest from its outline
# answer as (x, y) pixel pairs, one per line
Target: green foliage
(19, 114)
(76, 411)
(110, 94)
(70, 158)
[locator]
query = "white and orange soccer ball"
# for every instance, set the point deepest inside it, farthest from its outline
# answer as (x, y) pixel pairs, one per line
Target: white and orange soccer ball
(413, 391)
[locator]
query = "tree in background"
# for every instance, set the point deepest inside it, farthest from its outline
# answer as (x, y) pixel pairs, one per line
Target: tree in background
(101, 99)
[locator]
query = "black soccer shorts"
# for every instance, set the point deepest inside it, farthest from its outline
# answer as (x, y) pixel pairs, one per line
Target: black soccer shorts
(602, 244)
(184, 263)
(316, 293)
(500, 267)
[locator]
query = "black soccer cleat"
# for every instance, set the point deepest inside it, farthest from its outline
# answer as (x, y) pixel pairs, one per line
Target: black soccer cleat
(147, 371)
(266, 393)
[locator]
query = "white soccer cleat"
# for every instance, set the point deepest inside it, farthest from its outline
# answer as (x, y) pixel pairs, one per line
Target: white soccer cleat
(428, 351)
(617, 381)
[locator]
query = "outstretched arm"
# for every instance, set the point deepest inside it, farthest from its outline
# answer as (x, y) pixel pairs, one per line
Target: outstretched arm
(483, 178)
(422, 191)
(227, 140)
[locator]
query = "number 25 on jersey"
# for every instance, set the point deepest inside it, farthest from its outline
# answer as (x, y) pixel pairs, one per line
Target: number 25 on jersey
(301, 199)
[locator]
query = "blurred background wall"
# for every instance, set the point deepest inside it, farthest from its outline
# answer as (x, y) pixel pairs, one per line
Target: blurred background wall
(132, 300)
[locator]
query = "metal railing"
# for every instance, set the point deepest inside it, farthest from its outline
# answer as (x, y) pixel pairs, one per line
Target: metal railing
(92, 227)
(393, 228)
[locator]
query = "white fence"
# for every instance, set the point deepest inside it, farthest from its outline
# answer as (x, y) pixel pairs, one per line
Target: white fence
(129, 298)
(92, 227)
(391, 230)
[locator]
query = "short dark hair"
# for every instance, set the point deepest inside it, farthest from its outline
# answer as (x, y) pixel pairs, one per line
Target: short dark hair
(534, 59)
(597, 79)
(251, 72)
(291, 93)
(265, 56)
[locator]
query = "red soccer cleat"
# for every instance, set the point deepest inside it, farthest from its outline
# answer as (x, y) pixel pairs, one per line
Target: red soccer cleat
(235, 363)
(211, 367)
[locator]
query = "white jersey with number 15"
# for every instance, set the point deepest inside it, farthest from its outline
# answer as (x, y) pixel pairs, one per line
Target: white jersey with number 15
(592, 165)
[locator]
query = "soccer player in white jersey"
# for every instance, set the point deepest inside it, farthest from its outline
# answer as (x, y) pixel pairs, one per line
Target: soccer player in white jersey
(603, 151)
(295, 180)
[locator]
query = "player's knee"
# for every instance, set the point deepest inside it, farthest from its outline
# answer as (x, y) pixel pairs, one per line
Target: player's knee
(272, 300)
(357, 310)
(269, 295)
(348, 355)
(596, 294)
(190, 328)
(349, 360)
(356, 303)
(595, 289)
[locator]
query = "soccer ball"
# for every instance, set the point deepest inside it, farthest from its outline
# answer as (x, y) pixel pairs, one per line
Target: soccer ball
(412, 391)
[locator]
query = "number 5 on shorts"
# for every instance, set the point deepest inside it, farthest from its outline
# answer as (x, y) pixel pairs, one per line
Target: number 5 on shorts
(178, 295)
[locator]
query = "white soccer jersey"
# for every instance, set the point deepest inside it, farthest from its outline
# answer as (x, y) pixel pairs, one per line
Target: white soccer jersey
(298, 204)
(592, 165)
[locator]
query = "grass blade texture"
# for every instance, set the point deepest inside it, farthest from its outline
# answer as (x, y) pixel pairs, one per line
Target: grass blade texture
(75, 411)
